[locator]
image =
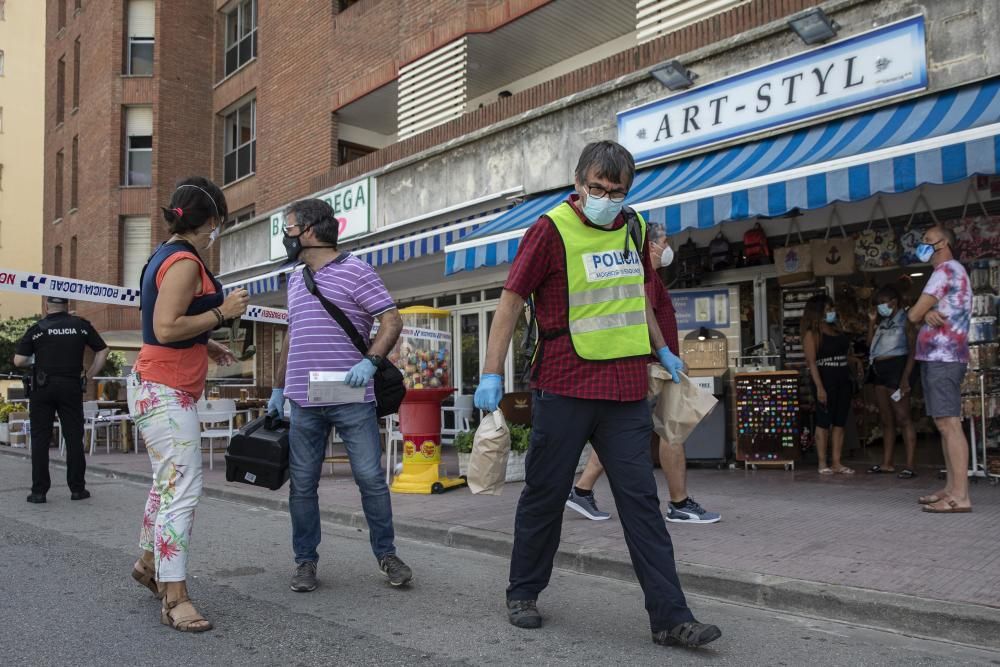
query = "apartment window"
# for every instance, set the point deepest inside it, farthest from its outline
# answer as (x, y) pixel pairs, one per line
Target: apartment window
(74, 160)
(61, 90)
(136, 240)
(77, 5)
(57, 260)
(344, 4)
(141, 24)
(1, 62)
(59, 185)
(348, 152)
(76, 73)
(241, 35)
(240, 151)
(240, 216)
(62, 13)
(72, 257)
(138, 146)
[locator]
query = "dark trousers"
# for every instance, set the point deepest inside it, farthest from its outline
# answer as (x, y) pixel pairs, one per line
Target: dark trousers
(65, 396)
(619, 432)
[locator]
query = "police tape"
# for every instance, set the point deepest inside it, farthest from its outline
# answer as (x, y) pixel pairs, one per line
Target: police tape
(83, 290)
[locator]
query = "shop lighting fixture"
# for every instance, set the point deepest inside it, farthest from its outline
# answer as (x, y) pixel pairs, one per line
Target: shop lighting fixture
(918, 274)
(703, 334)
(813, 26)
(674, 75)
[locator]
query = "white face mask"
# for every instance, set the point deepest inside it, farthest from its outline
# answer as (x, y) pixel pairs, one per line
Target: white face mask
(213, 237)
(667, 258)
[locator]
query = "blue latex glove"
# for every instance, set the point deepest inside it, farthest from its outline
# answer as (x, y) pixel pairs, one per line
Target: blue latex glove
(361, 374)
(671, 362)
(276, 404)
(489, 392)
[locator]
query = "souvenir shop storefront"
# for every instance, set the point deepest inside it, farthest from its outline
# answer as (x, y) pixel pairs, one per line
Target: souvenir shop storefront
(836, 206)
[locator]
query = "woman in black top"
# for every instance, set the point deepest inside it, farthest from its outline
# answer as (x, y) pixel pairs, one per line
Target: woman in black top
(826, 347)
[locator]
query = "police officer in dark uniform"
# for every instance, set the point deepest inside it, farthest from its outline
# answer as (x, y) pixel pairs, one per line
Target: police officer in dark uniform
(57, 384)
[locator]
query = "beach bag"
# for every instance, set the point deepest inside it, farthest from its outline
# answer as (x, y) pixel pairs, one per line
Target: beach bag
(793, 263)
(718, 253)
(833, 256)
(755, 247)
(976, 236)
(875, 248)
(488, 461)
(679, 408)
(914, 236)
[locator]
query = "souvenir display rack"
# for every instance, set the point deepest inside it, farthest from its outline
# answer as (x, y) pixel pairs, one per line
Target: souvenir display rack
(767, 418)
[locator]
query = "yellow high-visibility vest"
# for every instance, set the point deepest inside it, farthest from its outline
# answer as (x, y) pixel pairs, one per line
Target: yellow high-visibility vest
(607, 299)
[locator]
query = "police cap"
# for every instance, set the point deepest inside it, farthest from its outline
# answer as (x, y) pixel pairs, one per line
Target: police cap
(56, 299)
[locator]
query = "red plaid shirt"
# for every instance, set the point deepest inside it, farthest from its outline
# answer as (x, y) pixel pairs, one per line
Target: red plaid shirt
(540, 269)
(666, 316)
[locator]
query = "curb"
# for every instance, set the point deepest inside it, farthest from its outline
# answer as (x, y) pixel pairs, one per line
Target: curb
(963, 623)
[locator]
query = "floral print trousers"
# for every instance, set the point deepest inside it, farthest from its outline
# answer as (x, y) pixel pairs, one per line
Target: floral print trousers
(168, 421)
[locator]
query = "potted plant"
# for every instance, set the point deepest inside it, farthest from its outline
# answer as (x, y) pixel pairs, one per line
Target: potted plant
(5, 410)
(112, 368)
(520, 438)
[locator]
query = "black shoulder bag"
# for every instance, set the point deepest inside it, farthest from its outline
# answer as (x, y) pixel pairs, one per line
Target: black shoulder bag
(389, 388)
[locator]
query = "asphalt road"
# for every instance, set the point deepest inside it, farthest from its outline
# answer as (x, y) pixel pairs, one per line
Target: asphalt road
(66, 599)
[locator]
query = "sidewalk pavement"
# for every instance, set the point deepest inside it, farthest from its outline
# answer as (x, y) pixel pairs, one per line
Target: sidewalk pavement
(854, 548)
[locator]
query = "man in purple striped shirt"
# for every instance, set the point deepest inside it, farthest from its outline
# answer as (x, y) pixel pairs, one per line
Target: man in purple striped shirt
(315, 342)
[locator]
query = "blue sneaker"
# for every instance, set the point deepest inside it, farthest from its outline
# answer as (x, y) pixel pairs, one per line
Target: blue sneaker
(586, 505)
(690, 512)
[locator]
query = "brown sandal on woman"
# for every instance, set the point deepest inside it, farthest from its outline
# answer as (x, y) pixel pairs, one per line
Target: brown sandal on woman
(181, 615)
(146, 576)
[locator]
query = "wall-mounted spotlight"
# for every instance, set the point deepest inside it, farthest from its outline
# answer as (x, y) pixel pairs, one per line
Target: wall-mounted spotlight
(813, 26)
(674, 75)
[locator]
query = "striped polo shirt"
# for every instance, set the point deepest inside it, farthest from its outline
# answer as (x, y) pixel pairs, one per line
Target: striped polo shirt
(317, 342)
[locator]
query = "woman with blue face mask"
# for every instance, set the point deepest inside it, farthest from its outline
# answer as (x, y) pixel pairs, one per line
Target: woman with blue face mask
(826, 348)
(891, 345)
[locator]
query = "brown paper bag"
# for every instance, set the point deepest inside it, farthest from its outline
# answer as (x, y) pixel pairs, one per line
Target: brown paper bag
(488, 461)
(679, 407)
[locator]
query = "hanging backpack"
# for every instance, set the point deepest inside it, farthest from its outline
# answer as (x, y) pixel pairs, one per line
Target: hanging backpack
(877, 249)
(718, 253)
(755, 247)
(688, 261)
(914, 236)
(976, 236)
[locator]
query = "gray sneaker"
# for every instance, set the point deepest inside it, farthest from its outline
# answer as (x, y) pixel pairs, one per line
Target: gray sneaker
(690, 512)
(304, 580)
(586, 505)
(395, 570)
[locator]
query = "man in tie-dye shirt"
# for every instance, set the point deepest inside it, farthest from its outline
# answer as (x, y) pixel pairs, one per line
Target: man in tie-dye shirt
(945, 308)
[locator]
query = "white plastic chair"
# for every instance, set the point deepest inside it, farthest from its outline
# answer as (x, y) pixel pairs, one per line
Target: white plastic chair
(94, 419)
(216, 417)
(393, 438)
(460, 418)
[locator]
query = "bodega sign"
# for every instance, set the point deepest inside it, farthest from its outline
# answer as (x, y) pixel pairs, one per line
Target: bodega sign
(353, 205)
(876, 65)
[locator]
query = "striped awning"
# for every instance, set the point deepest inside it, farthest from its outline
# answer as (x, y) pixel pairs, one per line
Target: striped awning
(397, 249)
(936, 139)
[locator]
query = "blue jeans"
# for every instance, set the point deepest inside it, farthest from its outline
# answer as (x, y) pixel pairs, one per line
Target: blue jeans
(357, 426)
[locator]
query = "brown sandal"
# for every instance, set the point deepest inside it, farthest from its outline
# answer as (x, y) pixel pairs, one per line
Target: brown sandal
(953, 508)
(932, 499)
(146, 576)
(181, 615)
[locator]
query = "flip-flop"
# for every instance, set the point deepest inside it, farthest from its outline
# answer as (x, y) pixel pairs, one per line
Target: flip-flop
(879, 470)
(906, 473)
(931, 499)
(953, 508)
(826, 471)
(844, 470)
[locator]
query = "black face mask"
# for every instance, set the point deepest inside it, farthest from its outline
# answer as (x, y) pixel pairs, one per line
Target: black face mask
(294, 247)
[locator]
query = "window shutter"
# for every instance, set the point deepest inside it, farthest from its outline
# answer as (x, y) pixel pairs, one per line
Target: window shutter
(141, 18)
(139, 121)
(137, 236)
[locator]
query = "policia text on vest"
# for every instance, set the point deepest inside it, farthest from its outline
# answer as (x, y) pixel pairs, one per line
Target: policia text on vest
(57, 344)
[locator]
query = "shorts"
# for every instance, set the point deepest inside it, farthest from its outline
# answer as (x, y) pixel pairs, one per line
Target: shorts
(839, 391)
(887, 372)
(942, 382)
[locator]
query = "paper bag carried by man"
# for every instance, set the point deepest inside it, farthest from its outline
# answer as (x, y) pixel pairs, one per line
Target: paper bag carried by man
(488, 461)
(679, 408)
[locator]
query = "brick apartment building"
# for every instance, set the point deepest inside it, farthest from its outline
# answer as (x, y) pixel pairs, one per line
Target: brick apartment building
(438, 115)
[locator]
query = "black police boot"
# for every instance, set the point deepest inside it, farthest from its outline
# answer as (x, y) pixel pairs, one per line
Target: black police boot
(36, 498)
(80, 495)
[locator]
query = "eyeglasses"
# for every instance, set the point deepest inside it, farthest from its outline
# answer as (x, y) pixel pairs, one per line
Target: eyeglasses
(596, 190)
(290, 226)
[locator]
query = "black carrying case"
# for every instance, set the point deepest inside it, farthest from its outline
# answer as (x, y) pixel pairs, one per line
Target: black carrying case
(258, 453)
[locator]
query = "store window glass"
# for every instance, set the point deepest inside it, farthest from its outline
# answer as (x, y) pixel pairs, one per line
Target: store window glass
(471, 297)
(447, 300)
(469, 333)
